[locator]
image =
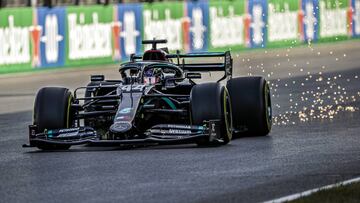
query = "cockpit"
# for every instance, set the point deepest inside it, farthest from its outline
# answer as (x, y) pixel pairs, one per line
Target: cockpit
(154, 68)
(149, 73)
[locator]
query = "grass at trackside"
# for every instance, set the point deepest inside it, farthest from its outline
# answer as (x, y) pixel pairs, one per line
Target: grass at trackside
(10, 70)
(299, 45)
(13, 72)
(347, 194)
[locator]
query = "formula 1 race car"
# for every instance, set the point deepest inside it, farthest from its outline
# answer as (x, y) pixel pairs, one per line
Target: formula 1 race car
(155, 102)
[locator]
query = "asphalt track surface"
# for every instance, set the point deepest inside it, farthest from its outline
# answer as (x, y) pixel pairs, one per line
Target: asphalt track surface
(305, 149)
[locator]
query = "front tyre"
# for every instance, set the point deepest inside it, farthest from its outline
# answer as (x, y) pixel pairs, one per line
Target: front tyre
(52, 110)
(211, 101)
(251, 105)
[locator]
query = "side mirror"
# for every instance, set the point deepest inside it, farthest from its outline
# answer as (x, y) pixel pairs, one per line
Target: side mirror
(191, 75)
(94, 78)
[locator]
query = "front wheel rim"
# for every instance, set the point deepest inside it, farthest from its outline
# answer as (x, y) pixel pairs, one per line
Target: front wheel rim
(228, 114)
(268, 109)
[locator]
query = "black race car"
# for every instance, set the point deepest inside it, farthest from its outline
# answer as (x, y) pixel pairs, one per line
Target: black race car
(155, 102)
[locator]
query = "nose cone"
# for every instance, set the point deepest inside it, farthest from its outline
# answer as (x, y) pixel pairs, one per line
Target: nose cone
(120, 127)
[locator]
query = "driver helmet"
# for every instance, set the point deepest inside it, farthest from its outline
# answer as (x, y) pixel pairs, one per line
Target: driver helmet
(152, 76)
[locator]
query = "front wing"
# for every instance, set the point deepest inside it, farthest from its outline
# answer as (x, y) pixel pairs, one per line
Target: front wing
(163, 134)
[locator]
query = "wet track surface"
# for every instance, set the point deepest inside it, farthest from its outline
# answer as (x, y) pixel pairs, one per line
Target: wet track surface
(305, 149)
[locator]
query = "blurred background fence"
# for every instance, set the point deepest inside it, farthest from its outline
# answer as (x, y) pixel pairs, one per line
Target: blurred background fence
(23, 3)
(59, 33)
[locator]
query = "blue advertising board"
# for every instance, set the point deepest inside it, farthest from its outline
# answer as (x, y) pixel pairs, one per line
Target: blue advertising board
(355, 5)
(52, 39)
(310, 21)
(198, 14)
(130, 36)
(258, 11)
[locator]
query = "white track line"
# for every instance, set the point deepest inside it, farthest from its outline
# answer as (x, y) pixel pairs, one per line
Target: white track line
(309, 192)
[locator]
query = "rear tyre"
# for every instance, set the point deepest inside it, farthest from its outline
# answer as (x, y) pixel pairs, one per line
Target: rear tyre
(211, 101)
(52, 110)
(251, 102)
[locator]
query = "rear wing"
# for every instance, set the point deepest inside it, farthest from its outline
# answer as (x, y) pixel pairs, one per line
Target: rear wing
(226, 65)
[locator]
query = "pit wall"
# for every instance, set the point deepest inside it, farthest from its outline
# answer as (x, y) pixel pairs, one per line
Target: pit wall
(35, 38)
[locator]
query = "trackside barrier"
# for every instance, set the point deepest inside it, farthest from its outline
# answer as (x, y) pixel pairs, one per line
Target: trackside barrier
(32, 38)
